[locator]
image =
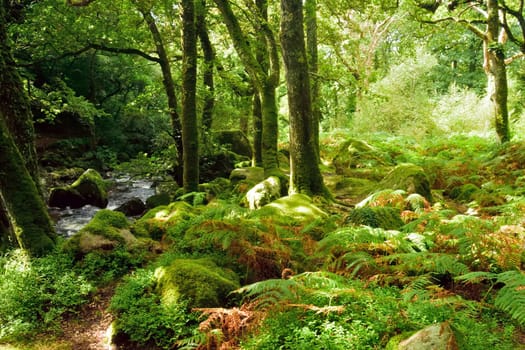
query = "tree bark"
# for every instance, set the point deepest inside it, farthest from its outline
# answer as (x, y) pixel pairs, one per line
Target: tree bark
(14, 103)
(496, 71)
(26, 209)
(305, 174)
(310, 10)
(257, 130)
(190, 131)
(265, 80)
(207, 74)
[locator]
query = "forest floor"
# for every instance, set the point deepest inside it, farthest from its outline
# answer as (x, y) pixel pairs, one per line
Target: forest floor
(88, 329)
(85, 330)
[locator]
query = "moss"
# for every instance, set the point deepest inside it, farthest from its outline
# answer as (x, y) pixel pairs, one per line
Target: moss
(297, 206)
(158, 200)
(29, 217)
(92, 186)
(200, 281)
(387, 218)
(156, 221)
(410, 178)
(107, 230)
(358, 154)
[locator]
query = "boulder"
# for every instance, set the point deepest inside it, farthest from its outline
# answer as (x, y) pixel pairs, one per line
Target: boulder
(89, 188)
(159, 199)
(296, 206)
(251, 175)
(434, 337)
(199, 281)
(357, 154)
(155, 223)
(410, 178)
(132, 207)
(264, 192)
(387, 218)
(107, 230)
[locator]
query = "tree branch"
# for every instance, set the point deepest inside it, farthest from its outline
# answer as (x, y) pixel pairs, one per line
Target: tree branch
(128, 51)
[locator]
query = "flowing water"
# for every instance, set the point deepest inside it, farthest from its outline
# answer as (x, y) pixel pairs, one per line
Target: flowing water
(71, 220)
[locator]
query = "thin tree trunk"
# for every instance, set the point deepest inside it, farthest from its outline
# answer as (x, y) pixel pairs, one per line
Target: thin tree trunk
(264, 80)
(310, 7)
(207, 74)
(305, 174)
(190, 131)
(496, 72)
(169, 87)
(257, 130)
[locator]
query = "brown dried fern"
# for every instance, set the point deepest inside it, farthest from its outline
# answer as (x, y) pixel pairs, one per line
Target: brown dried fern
(225, 327)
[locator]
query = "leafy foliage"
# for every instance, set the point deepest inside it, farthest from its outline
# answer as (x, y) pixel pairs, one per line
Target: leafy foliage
(36, 293)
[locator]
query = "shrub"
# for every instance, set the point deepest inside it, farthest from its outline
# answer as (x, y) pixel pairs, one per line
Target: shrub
(143, 319)
(36, 293)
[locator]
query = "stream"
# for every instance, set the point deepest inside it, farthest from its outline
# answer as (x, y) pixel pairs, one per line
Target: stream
(72, 220)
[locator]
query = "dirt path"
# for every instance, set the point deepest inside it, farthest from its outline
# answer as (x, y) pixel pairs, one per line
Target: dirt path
(87, 330)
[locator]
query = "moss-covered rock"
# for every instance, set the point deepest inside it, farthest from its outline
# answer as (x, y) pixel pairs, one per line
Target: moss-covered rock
(132, 207)
(387, 218)
(297, 206)
(251, 175)
(89, 188)
(437, 336)
(199, 281)
(159, 199)
(107, 230)
(264, 192)
(410, 178)
(155, 222)
(357, 154)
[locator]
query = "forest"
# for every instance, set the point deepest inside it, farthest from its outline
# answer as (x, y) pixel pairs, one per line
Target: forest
(255, 174)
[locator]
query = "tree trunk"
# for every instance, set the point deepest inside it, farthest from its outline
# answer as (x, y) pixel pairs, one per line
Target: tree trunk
(496, 71)
(25, 207)
(264, 79)
(310, 7)
(14, 104)
(169, 87)
(257, 130)
(305, 174)
(190, 131)
(207, 74)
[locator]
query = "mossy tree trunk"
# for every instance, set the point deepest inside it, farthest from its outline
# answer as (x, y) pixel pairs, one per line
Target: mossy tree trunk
(169, 86)
(207, 73)
(305, 174)
(257, 130)
(14, 103)
(24, 212)
(265, 79)
(310, 12)
(25, 207)
(190, 131)
(496, 71)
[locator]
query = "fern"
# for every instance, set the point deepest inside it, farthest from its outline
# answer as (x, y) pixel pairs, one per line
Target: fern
(511, 297)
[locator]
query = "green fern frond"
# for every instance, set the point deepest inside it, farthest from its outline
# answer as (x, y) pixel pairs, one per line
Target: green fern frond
(417, 289)
(511, 298)
(387, 197)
